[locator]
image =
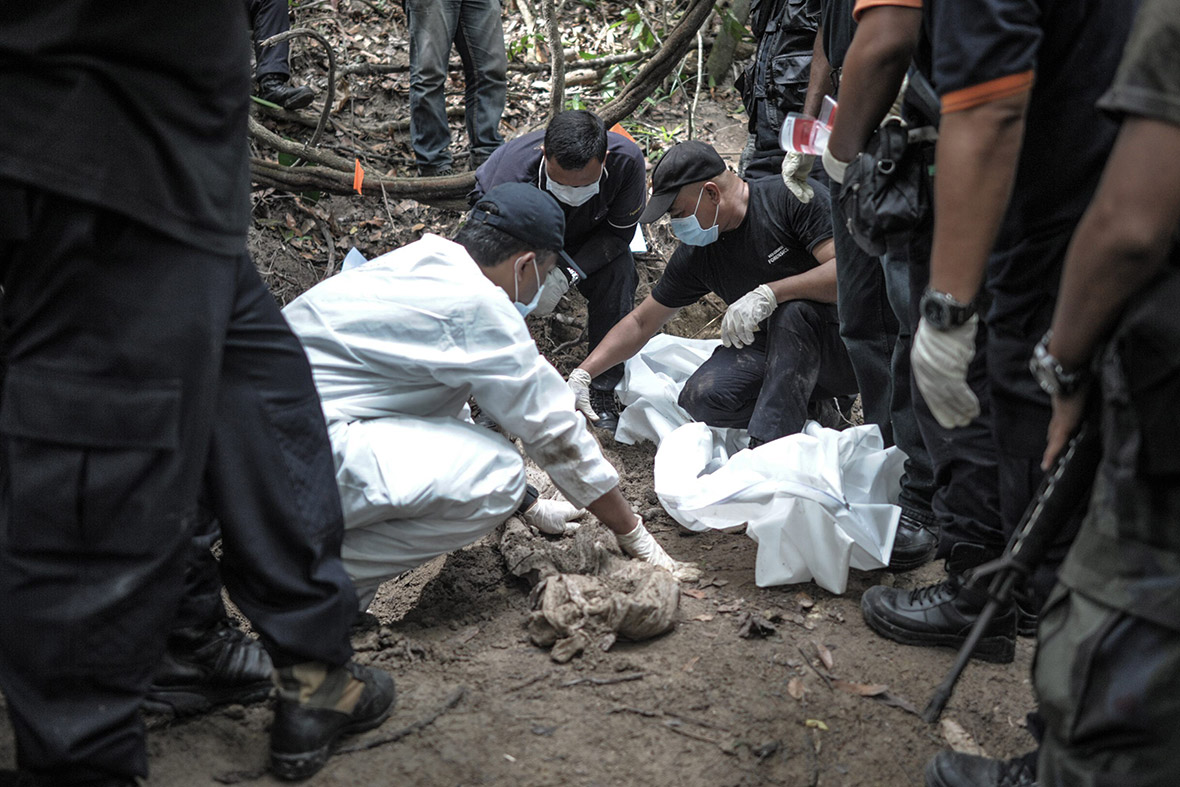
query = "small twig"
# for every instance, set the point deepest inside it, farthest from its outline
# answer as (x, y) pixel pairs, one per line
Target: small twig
(451, 701)
(529, 682)
(604, 681)
(305, 31)
(807, 661)
(696, 94)
(665, 714)
(566, 345)
(675, 726)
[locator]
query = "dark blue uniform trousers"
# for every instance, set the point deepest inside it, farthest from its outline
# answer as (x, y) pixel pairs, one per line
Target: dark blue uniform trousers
(131, 364)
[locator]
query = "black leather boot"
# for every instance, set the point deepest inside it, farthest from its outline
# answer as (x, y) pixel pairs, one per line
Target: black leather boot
(274, 88)
(317, 704)
(607, 408)
(206, 667)
(943, 614)
(955, 769)
(915, 542)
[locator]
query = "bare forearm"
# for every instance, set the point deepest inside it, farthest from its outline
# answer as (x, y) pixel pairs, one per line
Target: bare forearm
(976, 164)
(817, 284)
(613, 511)
(621, 342)
(874, 69)
(1122, 240)
(819, 84)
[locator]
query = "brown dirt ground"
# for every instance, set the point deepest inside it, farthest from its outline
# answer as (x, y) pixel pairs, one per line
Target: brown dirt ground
(701, 705)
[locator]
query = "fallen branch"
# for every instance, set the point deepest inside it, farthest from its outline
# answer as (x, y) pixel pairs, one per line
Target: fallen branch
(604, 681)
(807, 661)
(452, 187)
(529, 682)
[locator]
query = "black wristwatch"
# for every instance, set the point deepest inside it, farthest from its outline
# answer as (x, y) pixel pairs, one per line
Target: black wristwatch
(1051, 375)
(942, 311)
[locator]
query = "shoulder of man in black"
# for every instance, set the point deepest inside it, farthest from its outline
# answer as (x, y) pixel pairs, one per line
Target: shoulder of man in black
(516, 161)
(774, 209)
(625, 187)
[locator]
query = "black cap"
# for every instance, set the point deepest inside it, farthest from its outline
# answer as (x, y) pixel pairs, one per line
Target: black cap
(687, 162)
(526, 213)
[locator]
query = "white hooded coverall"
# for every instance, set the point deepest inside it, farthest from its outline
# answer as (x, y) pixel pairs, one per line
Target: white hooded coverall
(396, 348)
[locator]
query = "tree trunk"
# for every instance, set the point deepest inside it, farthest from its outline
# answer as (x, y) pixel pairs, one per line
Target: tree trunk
(733, 25)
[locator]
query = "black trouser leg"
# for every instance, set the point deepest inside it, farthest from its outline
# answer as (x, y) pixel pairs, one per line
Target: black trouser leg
(201, 605)
(271, 482)
(766, 386)
(269, 18)
(609, 288)
(966, 500)
(110, 341)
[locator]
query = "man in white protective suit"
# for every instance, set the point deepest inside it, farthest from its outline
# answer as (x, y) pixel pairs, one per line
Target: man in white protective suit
(398, 345)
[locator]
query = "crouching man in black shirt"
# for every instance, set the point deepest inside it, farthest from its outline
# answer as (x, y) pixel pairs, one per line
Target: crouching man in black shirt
(771, 258)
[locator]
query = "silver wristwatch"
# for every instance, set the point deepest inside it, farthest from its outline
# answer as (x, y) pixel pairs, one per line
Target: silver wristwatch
(942, 311)
(1050, 374)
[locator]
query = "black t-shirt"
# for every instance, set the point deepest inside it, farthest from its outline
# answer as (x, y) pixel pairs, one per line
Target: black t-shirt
(836, 18)
(775, 240)
(622, 191)
(139, 107)
(1067, 51)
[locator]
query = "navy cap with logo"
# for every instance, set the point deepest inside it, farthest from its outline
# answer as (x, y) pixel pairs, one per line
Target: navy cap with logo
(528, 214)
(687, 162)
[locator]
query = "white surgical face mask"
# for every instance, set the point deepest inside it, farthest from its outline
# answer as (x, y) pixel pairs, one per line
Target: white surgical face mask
(570, 195)
(690, 231)
(526, 308)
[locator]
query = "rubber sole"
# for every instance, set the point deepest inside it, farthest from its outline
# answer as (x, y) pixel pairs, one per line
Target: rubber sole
(194, 700)
(996, 650)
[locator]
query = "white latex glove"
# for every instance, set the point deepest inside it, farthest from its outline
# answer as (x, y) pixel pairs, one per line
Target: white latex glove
(556, 285)
(834, 166)
(939, 363)
(579, 383)
(796, 168)
(555, 517)
(640, 544)
(743, 315)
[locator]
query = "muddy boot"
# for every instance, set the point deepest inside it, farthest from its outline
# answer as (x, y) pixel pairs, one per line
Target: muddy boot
(607, 408)
(316, 705)
(955, 769)
(206, 667)
(274, 88)
(943, 614)
(915, 542)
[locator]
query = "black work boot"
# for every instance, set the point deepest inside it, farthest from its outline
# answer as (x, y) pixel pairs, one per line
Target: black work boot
(274, 88)
(942, 614)
(206, 667)
(955, 769)
(607, 408)
(441, 171)
(915, 542)
(317, 704)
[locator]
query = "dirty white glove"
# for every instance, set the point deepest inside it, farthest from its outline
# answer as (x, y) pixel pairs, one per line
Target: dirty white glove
(743, 315)
(579, 383)
(796, 168)
(834, 166)
(555, 517)
(640, 544)
(939, 362)
(556, 285)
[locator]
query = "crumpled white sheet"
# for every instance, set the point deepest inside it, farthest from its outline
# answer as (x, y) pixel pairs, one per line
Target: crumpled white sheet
(816, 503)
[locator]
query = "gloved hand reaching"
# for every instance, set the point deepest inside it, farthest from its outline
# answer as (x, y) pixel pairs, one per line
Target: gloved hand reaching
(556, 285)
(640, 544)
(555, 517)
(579, 383)
(939, 362)
(743, 315)
(796, 168)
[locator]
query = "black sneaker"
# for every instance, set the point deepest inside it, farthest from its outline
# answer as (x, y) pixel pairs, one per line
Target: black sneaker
(955, 769)
(317, 705)
(274, 88)
(607, 408)
(204, 668)
(441, 171)
(941, 615)
(915, 542)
